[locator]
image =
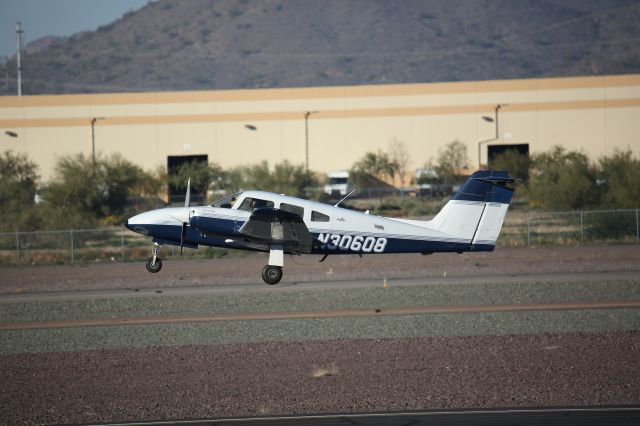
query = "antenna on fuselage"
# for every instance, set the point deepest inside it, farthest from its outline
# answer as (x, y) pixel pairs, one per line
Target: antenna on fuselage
(345, 197)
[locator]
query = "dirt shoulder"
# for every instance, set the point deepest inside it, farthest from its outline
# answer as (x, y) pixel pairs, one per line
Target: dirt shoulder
(321, 377)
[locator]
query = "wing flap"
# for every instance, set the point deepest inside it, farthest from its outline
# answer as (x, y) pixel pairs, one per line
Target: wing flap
(274, 226)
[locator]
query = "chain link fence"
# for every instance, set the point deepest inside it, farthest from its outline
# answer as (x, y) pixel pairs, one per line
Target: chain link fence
(120, 244)
(572, 228)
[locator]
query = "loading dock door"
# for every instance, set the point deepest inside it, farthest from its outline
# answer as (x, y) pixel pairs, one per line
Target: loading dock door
(178, 192)
(494, 150)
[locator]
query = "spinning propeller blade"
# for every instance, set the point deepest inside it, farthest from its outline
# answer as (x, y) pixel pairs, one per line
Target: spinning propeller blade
(187, 198)
(187, 201)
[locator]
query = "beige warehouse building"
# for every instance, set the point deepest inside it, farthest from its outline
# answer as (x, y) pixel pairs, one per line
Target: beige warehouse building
(594, 114)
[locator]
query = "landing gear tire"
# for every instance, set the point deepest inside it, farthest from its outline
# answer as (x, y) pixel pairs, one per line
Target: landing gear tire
(153, 266)
(272, 274)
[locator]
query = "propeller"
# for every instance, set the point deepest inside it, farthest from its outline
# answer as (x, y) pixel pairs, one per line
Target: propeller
(187, 201)
(182, 232)
(187, 198)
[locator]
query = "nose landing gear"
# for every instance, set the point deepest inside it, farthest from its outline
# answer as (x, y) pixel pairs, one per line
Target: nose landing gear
(154, 263)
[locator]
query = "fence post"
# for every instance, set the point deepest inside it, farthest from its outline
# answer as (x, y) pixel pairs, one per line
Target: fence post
(122, 243)
(581, 227)
(637, 226)
(18, 247)
(528, 228)
(71, 236)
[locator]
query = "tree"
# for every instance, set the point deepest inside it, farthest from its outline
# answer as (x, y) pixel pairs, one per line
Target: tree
(373, 164)
(562, 180)
(286, 178)
(79, 197)
(620, 176)
(203, 175)
(452, 160)
(400, 157)
(18, 179)
(257, 176)
(514, 162)
(291, 179)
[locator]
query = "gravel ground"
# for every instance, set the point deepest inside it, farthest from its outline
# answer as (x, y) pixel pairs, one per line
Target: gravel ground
(243, 270)
(230, 332)
(316, 377)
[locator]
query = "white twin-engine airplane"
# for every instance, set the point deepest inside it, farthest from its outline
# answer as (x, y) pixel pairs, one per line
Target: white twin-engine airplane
(279, 224)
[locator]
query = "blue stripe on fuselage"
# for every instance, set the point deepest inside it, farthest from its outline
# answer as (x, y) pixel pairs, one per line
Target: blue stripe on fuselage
(395, 245)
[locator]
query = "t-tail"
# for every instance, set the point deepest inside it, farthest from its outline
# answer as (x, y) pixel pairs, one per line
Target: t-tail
(476, 212)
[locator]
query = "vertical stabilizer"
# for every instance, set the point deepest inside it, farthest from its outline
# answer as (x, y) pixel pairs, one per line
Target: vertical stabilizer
(476, 212)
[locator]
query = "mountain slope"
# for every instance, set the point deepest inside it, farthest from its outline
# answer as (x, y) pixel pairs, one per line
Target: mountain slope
(221, 44)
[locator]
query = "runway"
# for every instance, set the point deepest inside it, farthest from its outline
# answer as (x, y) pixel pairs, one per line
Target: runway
(417, 310)
(547, 416)
(203, 290)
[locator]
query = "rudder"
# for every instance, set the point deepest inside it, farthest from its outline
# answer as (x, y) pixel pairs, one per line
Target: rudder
(476, 212)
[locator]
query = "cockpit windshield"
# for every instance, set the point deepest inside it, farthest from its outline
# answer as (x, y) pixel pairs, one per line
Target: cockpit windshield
(226, 202)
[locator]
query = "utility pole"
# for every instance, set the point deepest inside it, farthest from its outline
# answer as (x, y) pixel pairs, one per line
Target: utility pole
(19, 57)
(93, 142)
(306, 136)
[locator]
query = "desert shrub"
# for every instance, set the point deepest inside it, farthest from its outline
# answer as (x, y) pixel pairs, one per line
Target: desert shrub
(609, 226)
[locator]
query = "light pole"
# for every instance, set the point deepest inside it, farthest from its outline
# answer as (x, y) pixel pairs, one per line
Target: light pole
(497, 136)
(93, 141)
(306, 136)
(19, 56)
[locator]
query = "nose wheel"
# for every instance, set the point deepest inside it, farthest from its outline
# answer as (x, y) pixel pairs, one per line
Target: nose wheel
(271, 274)
(154, 263)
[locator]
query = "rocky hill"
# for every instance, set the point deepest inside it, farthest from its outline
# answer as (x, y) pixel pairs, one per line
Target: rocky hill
(222, 44)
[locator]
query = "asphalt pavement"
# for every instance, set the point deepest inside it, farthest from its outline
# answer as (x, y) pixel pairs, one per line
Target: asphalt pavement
(617, 416)
(133, 292)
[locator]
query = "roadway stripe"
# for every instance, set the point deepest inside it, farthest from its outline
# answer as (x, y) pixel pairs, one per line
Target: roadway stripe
(557, 415)
(268, 316)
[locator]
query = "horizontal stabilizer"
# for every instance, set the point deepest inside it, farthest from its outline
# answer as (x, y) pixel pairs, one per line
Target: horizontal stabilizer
(487, 186)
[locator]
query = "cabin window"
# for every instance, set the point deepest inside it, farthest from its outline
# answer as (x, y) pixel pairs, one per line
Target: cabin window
(250, 204)
(291, 208)
(319, 217)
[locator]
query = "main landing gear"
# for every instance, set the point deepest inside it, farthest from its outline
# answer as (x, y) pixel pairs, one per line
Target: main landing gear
(154, 264)
(272, 273)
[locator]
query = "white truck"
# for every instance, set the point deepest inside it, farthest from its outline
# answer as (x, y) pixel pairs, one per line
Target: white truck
(338, 184)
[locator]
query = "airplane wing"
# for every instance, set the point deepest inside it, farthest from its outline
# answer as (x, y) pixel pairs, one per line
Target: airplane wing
(274, 226)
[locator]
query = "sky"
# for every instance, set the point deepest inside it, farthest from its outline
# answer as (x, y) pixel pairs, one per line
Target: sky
(56, 17)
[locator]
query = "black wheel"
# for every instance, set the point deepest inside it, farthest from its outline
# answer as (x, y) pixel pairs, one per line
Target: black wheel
(154, 267)
(271, 274)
